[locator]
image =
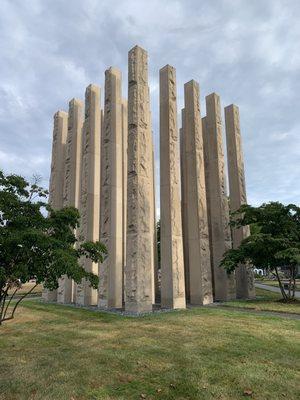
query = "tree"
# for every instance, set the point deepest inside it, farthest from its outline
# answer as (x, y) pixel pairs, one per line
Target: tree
(33, 245)
(274, 241)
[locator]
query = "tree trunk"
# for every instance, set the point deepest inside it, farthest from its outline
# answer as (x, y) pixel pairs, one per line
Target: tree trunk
(280, 285)
(16, 305)
(2, 303)
(293, 274)
(6, 308)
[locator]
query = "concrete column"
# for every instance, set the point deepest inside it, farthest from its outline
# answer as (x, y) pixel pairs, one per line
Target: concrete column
(111, 221)
(183, 171)
(172, 267)
(224, 284)
(153, 211)
(156, 288)
(198, 240)
(206, 169)
(60, 131)
(71, 181)
(139, 248)
(90, 187)
(124, 183)
(237, 189)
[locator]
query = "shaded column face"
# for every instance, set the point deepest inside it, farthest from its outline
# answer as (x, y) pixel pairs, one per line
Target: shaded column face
(71, 180)
(172, 268)
(153, 217)
(90, 187)
(124, 182)
(196, 213)
(139, 248)
(206, 169)
(111, 221)
(60, 131)
(73, 154)
(237, 189)
(224, 284)
(156, 283)
(184, 207)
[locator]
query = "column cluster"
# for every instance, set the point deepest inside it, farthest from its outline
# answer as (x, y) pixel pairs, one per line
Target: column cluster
(103, 164)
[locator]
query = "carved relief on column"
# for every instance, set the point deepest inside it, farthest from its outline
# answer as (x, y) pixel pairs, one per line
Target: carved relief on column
(138, 271)
(224, 284)
(198, 240)
(111, 232)
(172, 267)
(90, 187)
(237, 188)
(71, 187)
(60, 130)
(153, 217)
(156, 284)
(183, 171)
(124, 183)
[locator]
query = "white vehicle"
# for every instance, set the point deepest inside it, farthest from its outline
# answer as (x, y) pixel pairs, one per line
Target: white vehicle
(259, 271)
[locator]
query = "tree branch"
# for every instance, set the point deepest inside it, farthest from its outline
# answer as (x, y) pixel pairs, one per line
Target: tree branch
(18, 302)
(6, 308)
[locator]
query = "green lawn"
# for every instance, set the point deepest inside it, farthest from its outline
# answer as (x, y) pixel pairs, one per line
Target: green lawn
(26, 287)
(58, 352)
(266, 301)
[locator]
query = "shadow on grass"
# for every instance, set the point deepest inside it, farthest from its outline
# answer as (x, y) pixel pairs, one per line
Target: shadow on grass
(69, 312)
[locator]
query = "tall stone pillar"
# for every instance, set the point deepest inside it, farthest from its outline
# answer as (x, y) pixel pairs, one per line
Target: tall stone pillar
(90, 187)
(139, 248)
(111, 221)
(198, 240)
(224, 284)
(172, 267)
(124, 182)
(71, 187)
(237, 189)
(206, 168)
(60, 130)
(184, 207)
(153, 211)
(156, 288)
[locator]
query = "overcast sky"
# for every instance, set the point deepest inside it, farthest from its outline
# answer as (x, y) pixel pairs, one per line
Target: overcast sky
(246, 51)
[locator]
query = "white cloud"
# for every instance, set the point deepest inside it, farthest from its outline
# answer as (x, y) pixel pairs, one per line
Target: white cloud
(247, 51)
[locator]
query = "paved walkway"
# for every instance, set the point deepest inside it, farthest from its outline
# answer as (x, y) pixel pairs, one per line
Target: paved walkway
(274, 289)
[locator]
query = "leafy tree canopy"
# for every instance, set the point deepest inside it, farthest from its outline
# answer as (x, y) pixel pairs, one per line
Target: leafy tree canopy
(33, 245)
(274, 240)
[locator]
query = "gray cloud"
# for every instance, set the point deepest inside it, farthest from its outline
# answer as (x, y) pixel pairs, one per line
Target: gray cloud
(247, 51)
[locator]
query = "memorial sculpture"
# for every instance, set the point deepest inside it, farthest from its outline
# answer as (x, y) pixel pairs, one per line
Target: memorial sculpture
(103, 164)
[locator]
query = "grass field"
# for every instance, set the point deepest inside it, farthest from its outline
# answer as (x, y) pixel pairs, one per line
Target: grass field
(58, 352)
(26, 287)
(267, 301)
